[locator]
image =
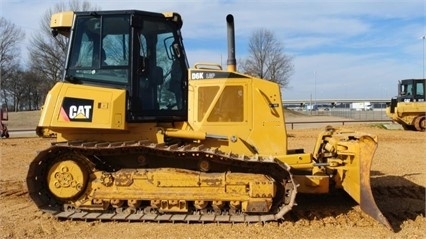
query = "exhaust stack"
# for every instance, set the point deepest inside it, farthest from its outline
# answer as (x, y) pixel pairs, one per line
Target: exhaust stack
(232, 62)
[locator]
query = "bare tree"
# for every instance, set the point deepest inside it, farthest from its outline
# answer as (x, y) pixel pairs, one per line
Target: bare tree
(267, 59)
(17, 88)
(10, 37)
(47, 53)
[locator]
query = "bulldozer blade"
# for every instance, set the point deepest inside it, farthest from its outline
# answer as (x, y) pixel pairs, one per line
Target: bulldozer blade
(356, 178)
(367, 202)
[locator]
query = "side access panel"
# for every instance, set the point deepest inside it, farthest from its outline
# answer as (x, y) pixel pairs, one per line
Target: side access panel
(82, 106)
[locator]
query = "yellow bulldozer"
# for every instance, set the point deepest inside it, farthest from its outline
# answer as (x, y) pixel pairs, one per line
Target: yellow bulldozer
(409, 107)
(141, 136)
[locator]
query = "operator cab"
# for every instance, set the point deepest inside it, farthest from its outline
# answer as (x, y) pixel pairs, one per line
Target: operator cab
(412, 90)
(141, 52)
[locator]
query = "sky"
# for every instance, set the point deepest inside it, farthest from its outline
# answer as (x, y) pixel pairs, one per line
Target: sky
(341, 49)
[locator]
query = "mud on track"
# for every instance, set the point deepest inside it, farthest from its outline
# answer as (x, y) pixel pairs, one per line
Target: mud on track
(398, 181)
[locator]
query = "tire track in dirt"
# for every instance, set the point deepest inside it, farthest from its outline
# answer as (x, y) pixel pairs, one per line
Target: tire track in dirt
(14, 197)
(11, 188)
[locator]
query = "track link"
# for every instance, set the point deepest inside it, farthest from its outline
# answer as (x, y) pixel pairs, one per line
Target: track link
(39, 192)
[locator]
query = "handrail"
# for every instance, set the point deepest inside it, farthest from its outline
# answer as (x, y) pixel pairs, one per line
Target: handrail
(287, 123)
(335, 121)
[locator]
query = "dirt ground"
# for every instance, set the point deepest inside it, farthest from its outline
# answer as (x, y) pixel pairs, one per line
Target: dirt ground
(398, 178)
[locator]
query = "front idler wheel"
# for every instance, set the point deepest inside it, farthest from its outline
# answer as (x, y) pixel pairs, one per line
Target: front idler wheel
(67, 179)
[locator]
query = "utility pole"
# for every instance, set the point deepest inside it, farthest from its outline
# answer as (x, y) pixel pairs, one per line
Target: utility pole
(423, 38)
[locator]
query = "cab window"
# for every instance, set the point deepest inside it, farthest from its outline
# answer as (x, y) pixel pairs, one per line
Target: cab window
(100, 50)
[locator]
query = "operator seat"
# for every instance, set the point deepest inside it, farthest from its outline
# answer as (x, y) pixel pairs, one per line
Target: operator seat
(149, 88)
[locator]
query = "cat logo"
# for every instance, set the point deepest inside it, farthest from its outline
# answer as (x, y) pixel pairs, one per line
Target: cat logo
(80, 111)
(74, 109)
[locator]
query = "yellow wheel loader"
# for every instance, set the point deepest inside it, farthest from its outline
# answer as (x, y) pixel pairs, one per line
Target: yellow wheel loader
(409, 107)
(143, 137)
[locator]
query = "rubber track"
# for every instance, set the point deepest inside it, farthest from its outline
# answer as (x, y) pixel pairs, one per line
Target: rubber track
(40, 195)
